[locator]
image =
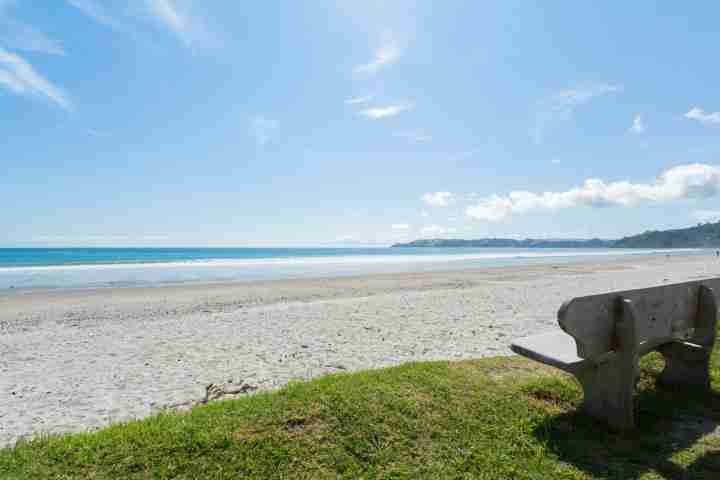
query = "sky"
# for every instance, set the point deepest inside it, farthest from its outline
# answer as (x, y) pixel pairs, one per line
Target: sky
(187, 122)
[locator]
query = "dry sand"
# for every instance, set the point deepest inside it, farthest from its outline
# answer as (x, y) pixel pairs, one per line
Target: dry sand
(78, 360)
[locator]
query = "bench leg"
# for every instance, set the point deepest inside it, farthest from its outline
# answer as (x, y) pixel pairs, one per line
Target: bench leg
(608, 390)
(688, 363)
(685, 364)
(609, 386)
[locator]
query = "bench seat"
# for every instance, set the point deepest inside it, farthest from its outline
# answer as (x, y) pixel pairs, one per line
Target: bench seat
(557, 349)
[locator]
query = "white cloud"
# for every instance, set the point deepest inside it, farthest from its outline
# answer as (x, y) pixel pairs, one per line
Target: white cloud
(388, 53)
(685, 181)
(92, 10)
(699, 114)
(359, 100)
(263, 128)
(637, 125)
(491, 209)
(437, 199)
(19, 77)
(706, 215)
(415, 137)
(435, 231)
(552, 112)
(389, 111)
(401, 226)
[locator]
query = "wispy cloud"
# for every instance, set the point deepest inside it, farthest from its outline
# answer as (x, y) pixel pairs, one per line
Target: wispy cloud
(123, 20)
(94, 11)
(24, 37)
(180, 21)
(552, 112)
(263, 128)
(637, 125)
(359, 100)
(20, 36)
(166, 11)
(19, 77)
(699, 114)
(685, 181)
(555, 161)
(706, 215)
(387, 53)
(437, 199)
(388, 111)
(415, 137)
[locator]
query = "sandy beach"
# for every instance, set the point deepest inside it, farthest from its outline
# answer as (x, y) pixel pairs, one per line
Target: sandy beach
(77, 360)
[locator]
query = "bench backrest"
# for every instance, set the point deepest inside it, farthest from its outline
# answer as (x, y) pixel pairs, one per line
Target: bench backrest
(662, 313)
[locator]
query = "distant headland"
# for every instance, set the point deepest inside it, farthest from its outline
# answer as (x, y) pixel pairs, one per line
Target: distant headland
(705, 235)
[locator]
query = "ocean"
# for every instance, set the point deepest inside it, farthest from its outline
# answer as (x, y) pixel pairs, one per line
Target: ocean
(31, 268)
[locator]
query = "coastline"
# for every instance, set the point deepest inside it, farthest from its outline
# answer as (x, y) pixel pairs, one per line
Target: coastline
(419, 254)
(138, 272)
(72, 360)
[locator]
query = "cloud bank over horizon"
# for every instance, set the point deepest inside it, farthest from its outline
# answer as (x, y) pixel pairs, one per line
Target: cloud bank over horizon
(690, 181)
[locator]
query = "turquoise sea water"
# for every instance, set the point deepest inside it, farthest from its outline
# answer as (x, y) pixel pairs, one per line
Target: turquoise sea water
(22, 268)
(24, 257)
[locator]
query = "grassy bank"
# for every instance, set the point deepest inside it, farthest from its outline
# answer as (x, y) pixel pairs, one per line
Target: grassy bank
(492, 418)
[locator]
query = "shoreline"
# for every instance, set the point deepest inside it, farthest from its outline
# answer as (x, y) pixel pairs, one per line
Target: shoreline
(72, 360)
(560, 264)
(197, 272)
(432, 255)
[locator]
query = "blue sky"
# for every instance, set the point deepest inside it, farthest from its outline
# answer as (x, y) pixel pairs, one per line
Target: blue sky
(180, 122)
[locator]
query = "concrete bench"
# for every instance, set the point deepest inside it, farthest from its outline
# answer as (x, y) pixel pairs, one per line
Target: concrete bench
(605, 335)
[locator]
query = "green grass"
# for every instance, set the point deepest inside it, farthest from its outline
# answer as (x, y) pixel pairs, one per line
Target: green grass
(500, 418)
